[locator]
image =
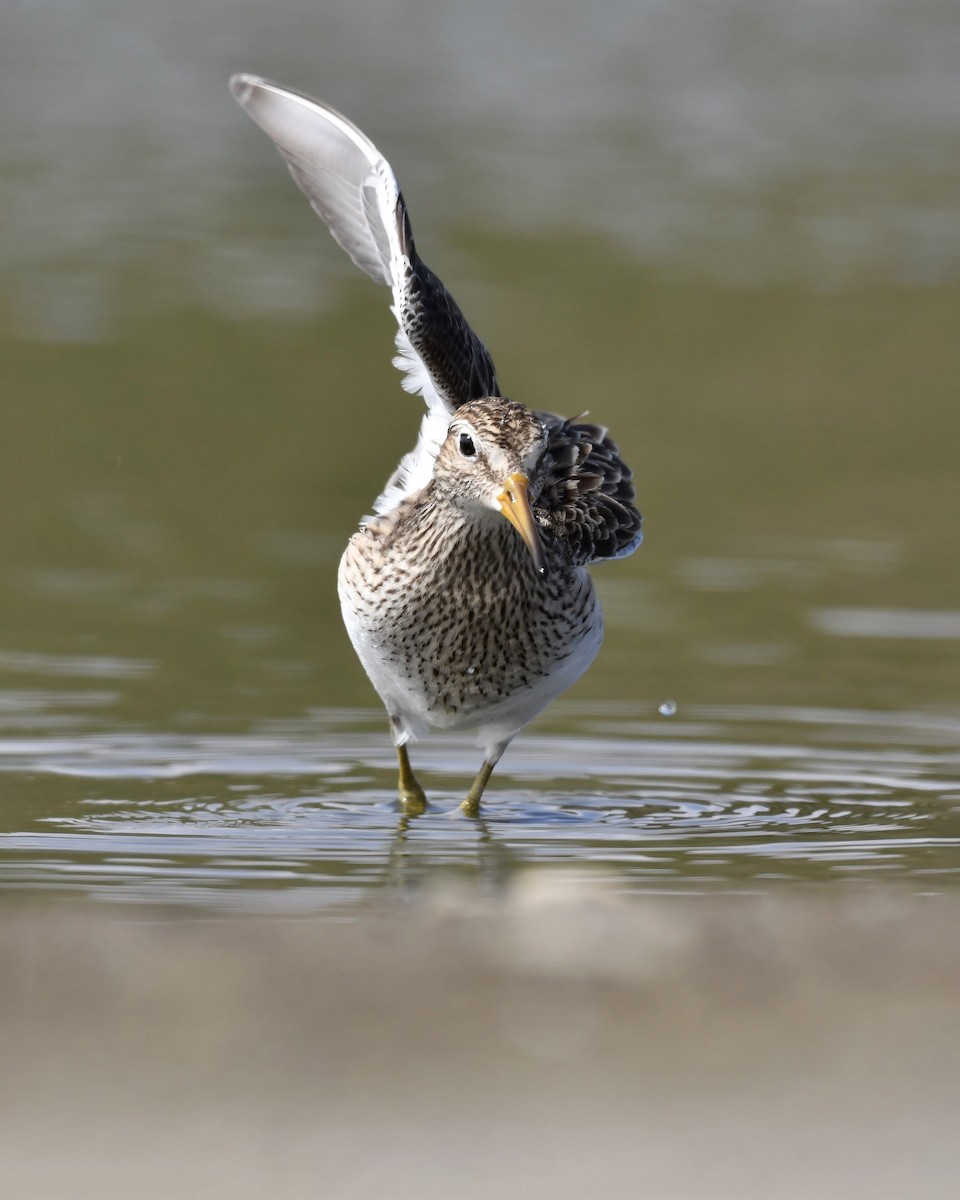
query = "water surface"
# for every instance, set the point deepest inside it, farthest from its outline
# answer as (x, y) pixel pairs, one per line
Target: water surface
(729, 234)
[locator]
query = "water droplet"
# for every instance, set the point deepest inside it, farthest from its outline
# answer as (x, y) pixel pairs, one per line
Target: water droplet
(668, 708)
(471, 670)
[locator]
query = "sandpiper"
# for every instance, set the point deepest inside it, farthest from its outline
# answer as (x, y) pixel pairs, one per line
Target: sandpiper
(466, 594)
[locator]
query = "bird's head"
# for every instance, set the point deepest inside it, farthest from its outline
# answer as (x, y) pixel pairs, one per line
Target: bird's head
(491, 461)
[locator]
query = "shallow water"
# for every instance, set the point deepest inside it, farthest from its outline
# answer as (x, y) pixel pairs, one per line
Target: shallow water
(301, 816)
(744, 257)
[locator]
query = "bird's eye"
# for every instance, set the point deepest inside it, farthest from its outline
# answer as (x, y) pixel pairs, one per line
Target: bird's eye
(467, 448)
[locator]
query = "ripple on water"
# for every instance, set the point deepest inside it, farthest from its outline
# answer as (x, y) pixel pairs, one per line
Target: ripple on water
(302, 815)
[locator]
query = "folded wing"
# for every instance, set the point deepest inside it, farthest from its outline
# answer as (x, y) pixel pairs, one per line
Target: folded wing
(588, 502)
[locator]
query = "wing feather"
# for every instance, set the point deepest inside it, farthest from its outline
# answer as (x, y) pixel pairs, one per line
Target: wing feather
(352, 187)
(588, 501)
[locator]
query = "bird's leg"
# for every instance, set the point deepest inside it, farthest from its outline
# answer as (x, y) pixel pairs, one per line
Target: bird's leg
(413, 799)
(471, 805)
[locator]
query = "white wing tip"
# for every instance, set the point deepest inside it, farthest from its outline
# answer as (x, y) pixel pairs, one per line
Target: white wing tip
(242, 86)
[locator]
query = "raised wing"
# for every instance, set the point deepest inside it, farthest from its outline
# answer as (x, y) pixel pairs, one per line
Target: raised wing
(588, 501)
(353, 188)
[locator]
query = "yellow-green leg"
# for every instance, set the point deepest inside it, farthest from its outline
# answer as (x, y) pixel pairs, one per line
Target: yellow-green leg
(413, 799)
(471, 806)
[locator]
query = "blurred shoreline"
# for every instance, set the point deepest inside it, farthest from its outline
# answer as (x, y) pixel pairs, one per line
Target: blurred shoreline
(552, 1041)
(807, 143)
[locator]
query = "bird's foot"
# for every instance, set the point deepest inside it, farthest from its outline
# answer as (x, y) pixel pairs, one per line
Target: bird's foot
(413, 799)
(470, 807)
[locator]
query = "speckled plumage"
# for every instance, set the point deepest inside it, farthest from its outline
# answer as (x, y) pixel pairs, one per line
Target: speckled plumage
(461, 618)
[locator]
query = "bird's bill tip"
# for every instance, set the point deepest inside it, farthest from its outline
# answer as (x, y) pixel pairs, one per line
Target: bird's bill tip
(514, 503)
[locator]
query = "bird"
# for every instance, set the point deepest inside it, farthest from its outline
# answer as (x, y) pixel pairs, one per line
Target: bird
(465, 593)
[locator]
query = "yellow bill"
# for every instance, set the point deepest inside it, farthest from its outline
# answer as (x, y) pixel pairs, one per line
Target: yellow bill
(515, 506)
